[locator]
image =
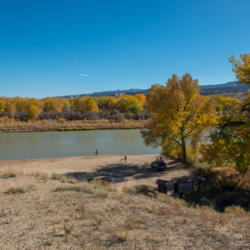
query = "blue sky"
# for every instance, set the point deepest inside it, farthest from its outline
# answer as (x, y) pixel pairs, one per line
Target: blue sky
(51, 48)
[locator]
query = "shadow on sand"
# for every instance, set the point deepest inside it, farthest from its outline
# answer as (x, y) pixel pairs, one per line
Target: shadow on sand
(121, 172)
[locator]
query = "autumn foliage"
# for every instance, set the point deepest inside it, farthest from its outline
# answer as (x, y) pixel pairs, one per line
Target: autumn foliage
(181, 115)
(33, 112)
(33, 106)
(230, 138)
(241, 67)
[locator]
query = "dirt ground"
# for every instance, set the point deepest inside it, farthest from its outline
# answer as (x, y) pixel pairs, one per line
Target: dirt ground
(113, 169)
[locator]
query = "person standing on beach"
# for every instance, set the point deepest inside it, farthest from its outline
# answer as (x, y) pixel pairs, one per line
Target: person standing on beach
(96, 152)
(125, 158)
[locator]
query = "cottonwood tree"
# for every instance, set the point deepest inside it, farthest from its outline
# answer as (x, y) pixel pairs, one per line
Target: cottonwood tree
(231, 140)
(10, 106)
(88, 104)
(2, 106)
(181, 115)
(242, 68)
(33, 112)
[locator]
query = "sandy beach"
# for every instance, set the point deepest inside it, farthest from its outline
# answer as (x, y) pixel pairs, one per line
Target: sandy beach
(112, 168)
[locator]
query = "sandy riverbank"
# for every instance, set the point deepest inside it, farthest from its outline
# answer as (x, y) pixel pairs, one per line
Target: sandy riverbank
(112, 168)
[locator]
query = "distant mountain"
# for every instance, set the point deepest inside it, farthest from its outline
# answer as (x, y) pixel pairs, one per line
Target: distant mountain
(229, 87)
(226, 86)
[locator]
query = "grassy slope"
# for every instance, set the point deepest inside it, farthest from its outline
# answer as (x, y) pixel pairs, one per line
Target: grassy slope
(94, 216)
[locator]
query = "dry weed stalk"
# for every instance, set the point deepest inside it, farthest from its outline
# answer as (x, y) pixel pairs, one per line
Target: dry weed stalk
(54, 229)
(68, 230)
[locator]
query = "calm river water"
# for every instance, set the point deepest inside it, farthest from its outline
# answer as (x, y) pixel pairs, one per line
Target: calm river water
(32, 145)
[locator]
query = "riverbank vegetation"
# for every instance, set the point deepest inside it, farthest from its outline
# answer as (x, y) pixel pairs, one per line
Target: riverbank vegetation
(10, 125)
(74, 108)
(30, 114)
(41, 213)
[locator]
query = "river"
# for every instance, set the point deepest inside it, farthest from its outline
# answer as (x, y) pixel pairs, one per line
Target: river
(36, 145)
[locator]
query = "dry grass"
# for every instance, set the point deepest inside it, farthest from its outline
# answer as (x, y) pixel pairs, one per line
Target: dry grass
(22, 189)
(10, 173)
(77, 188)
(93, 216)
(54, 125)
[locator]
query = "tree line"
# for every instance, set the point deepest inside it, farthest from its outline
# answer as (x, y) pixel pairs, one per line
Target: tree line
(32, 107)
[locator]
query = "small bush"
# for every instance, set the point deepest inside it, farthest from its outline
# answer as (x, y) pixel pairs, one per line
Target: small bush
(119, 117)
(135, 109)
(205, 202)
(103, 184)
(235, 210)
(56, 176)
(22, 189)
(44, 176)
(37, 175)
(143, 189)
(128, 190)
(11, 173)
(206, 169)
(92, 116)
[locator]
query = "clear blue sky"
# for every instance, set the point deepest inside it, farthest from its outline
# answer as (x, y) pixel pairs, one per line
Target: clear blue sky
(51, 48)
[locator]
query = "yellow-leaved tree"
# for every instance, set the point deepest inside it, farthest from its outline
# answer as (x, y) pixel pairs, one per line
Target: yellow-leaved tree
(33, 112)
(10, 106)
(88, 104)
(2, 106)
(242, 68)
(231, 138)
(181, 115)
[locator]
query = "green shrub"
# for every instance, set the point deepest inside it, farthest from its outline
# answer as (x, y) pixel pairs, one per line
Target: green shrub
(219, 107)
(119, 117)
(103, 184)
(206, 169)
(135, 109)
(56, 176)
(143, 189)
(205, 202)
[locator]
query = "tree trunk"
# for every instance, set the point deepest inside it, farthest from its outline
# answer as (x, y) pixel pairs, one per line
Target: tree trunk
(184, 155)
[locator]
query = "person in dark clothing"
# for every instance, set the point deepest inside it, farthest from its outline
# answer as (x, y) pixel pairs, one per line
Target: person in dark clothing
(125, 158)
(96, 152)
